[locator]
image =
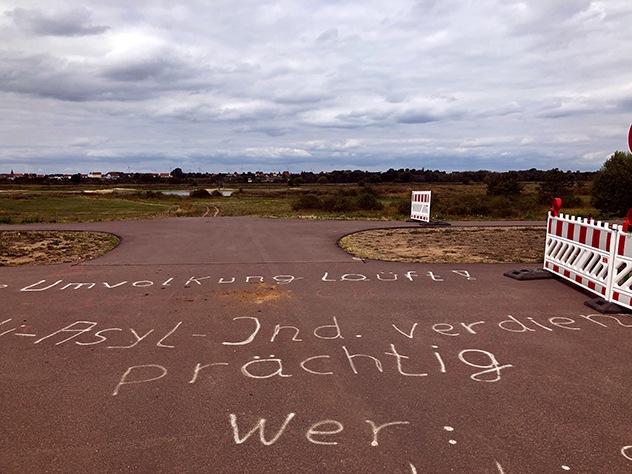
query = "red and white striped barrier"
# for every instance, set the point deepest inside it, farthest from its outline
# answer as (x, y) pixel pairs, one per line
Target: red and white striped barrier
(420, 206)
(622, 266)
(580, 250)
(594, 255)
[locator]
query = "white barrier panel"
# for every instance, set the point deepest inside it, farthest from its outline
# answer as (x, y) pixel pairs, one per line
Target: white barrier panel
(622, 270)
(420, 206)
(581, 251)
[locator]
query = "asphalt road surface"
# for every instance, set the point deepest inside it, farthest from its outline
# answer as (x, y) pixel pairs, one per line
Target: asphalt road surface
(253, 346)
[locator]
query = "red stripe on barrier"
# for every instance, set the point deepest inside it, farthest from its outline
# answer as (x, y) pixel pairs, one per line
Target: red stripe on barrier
(550, 225)
(578, 279)
(596, 238)
(608, 239)
(621, 249)
(603, 290)
(582, 234)
(567, 274)
(591, 285)
(556, 269)
(558, 231)
(570, 232)
(615, 296)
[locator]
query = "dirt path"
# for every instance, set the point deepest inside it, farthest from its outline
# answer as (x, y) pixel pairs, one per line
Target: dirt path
(208, 211)
(449, 245)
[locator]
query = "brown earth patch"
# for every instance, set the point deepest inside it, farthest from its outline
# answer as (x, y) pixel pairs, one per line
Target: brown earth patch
(259, 294)
(449, 245)
(48, 247)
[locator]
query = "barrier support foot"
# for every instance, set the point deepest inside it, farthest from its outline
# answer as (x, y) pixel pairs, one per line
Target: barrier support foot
(604, 307)
(432, 224)
(529, 274)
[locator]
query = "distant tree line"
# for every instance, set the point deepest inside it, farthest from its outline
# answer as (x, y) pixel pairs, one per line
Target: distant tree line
(402, 175)
(411, 175)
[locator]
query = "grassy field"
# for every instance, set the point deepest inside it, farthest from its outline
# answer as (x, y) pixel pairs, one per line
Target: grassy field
(55, 207)
(450, 201)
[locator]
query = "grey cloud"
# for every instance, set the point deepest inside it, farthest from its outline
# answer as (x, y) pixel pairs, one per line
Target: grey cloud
(329, 35)
(416, 116)
(133, 80)
(48, 77)
(625, 105)
(71, 22)
(159, 67)
(299, 98)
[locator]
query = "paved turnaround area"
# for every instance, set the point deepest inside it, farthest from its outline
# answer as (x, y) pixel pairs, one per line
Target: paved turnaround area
(252, 345)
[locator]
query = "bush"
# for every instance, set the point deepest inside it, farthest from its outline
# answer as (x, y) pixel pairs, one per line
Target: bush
(337, 203)
(307, 201)
(343, 201)
(572, 201)
(368, 202)
(503, 184)
(403, 207)
(484, 206)
(612, 187)
(152, 195)
(200, 193)
(556, 183)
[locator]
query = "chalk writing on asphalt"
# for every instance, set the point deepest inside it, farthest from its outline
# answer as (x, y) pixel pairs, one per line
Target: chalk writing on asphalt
(245, 347)
(195, 281)
(338, 357)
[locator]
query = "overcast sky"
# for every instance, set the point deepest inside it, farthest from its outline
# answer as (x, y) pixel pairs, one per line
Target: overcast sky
(311, 85)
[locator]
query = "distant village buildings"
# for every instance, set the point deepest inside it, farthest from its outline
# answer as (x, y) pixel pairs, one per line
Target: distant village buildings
(97, 176)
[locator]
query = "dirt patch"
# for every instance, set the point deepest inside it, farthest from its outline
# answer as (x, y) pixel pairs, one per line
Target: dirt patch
(47, 247)
(449, 245)
(259, 294)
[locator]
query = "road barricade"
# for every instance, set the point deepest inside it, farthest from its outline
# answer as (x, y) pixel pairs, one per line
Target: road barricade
(594, 255)
(420, 206)
(622, 268)
(580, 250)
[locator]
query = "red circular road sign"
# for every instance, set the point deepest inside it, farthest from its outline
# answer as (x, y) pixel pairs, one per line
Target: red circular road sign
(630, 139)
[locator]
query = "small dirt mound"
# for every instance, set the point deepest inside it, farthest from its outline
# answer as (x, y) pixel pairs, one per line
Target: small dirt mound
(259, 294)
